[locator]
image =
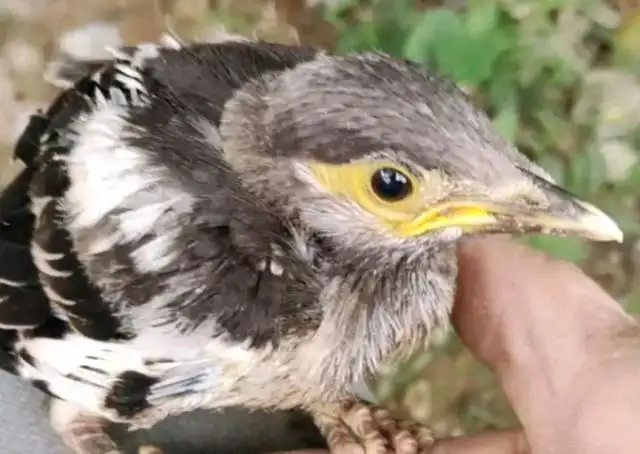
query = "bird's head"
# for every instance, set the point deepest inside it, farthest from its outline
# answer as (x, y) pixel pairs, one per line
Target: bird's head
(388, 166)
(375, 153)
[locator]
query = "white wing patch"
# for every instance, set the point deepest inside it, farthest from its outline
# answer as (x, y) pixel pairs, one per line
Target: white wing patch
(108, 176)
(104, 172)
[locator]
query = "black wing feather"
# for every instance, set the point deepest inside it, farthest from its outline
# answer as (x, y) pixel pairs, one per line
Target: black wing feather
(22, 301)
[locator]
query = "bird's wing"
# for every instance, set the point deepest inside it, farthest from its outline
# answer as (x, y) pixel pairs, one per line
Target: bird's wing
(124, 225)
(156, 218)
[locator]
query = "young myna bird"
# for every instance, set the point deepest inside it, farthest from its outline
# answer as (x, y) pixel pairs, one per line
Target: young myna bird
(248, 224)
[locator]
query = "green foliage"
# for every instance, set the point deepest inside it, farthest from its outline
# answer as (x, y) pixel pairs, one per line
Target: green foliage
(569, 248)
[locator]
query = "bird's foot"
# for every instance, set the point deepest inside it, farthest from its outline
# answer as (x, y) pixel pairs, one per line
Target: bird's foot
(83, 433)
(149, 449)
(361, 428)
(271, 265)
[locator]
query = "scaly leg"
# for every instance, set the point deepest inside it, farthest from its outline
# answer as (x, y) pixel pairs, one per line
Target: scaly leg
(83, 433)
(362, 428)
(149, 449)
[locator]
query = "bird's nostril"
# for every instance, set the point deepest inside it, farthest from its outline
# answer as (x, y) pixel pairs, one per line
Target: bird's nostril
(531, 201)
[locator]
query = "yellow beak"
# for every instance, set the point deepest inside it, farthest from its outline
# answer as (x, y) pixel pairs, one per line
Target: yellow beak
(565, 214)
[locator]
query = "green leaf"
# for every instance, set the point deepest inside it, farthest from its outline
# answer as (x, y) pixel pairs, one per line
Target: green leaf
(390, 37)
(572, 249)
(488, 48)
(530, 65)
(503, 86)
(393, 21)
(586, 172)
(360, 38)
(442, 38)
(626, 38)
(506, 122)
(461, 57)
(434, 26)
(554, 165)
(334, 11)
(632, 182)
(632, 302)
(481, 16)
(628, 221)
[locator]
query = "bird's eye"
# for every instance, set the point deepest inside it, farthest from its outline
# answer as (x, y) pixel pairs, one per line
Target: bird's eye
(391, 185)
(383, 188)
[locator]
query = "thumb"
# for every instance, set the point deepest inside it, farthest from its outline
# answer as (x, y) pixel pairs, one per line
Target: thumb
(495, 442)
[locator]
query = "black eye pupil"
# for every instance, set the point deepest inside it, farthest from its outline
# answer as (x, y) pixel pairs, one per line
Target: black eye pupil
(390, 184)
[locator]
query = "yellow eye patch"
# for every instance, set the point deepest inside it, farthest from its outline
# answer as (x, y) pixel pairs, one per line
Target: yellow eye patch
(385, 189)
(404, 203)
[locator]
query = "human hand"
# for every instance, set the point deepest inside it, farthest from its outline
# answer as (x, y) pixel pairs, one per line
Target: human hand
(566, 354)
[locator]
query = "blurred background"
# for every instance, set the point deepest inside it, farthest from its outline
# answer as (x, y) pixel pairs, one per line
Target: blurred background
(560, 78)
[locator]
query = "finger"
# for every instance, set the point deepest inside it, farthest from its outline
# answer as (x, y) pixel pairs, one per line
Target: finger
(304, 451)
(547, 329)
(498, 442)
(514, 301)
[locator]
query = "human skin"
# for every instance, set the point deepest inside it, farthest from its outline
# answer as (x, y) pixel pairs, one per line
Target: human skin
(566, 354)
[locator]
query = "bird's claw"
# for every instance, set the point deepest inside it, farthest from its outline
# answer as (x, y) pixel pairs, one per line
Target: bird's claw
(149, 449)
(271, 264)
(365, 429)
(82, 433)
